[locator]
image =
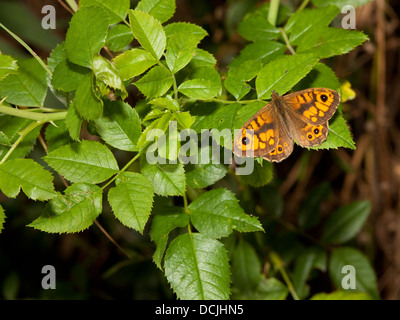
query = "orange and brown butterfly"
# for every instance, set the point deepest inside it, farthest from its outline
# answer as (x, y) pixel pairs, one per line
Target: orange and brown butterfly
(301, 116)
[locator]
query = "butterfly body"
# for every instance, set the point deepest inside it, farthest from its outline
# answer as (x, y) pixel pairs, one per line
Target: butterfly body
(301, 116)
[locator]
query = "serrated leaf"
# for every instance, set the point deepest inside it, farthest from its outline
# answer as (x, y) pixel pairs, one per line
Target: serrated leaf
(204, 175)
(162, 10)
(149, 32)
(202, 58)
(7, 66)
(86, 161)
(255, 26)
(365, 277)
(119, 125)
(2, 218)
(57, 135)
(162, 225)
(73, 122)
(246, 268)
(309, 20)
(198, 89)
(67, 76)
(346, 222)
(116, 9)
(216, 213)
(185, 28)
(327, 42)
(12, 126)
(167, 179)
(72, 212)
(341, 295)
(197, 268)
(152, 132)
(262, 51)
(261, 174)
(119, 37)
(36, 182)
(87, 104)
(131, 200)
(27, 86)
(237, 77)
(180, 50)
(155, 82)
(106, 73)
(87, 31)
(133, 62)
(339, 135)
(283, 73)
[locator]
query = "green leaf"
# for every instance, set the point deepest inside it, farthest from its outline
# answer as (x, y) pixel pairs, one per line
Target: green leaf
(167, 179)
(162, 10)
(57, 135)
(341, 295)
(133, 62)
(119, 37)
(339, 135)
(246, 112)
(283, 73)
(202, 58)
(321, 76)
(86, 161)
(68, 75)
(246, 268)
(28, 86)
(86, 103)
(304, 263)
(11, 127)
(87, 31)
(165, 103)
(365, 275)
(327, 42)
(156, 82)
(197, 268)
(237, 77)
(119, 125)
(204, 175)
(106, 73)
(308, 21)
(194, 30)
(180, 50)
(346, 222)
(73, 122)
(149, 32)
(162, 225)
(262, 51)
(340, 3)
(72, 212)
(131, 200)
(2, 218)
(116, 9)
(260, 176)
(198, 89)
(255, 26)
(216, 213)
(36, 182)
(150, 133)
(7, 66)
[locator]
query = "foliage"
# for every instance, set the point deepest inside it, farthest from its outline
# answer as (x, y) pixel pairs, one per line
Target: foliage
(196, 234)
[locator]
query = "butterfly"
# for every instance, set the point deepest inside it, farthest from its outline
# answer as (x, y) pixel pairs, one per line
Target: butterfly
(301, 116)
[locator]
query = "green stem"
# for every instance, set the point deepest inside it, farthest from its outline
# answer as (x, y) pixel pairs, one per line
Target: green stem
(72, 4)
(273, 12)
(22, 42)
(22, 135)
(303, 5)
(44, 117)
(277, 262)
(285, 38)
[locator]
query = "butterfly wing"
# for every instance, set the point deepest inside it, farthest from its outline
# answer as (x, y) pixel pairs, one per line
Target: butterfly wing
(259, 135)
(308, 112)
(314, 106)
